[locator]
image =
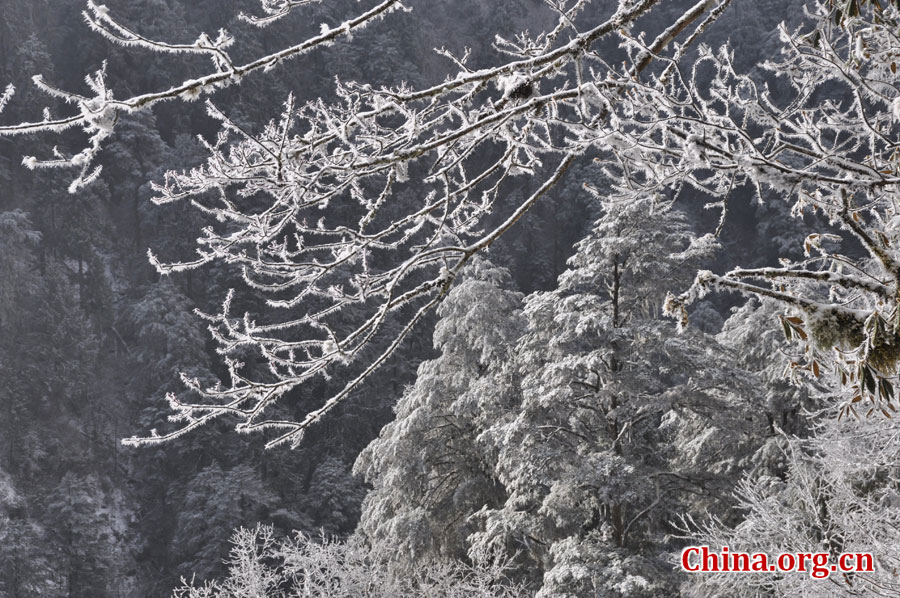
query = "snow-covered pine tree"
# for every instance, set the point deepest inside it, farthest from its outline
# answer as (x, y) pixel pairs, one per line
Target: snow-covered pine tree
(214, 503)
(83, 533)
(788, 405)
(428, 468)
(27, 568)
(622, 422)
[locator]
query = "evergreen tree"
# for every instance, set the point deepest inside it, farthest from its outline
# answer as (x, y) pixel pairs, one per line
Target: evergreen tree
(26, 566)
(216, 502)
(428, 468)
(82, 532)
(621, 422)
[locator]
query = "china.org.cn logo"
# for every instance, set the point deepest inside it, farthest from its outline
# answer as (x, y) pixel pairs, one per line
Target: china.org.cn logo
(819, 565)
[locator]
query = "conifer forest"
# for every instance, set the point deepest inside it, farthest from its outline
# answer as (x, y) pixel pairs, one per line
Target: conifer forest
(449, 298)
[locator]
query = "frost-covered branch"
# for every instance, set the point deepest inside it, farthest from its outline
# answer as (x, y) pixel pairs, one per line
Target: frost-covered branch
(824, 276)
(839, 495)
(374, 204)
(275, 10)
(98, 115)
(833, 154)
(260, 564)
(353, 217)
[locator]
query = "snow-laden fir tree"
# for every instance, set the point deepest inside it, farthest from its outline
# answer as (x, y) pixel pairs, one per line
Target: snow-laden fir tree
(621, 422)
(87, 539)
(27, 570)
(568, 436)
(429, 470)
(787, 403)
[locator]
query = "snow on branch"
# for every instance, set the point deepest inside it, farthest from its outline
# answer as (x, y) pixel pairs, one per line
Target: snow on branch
(99, 20)
(836, 158)
(322, 166)
(354, 217)
(100, 113)
(7, 95)
(275, 10)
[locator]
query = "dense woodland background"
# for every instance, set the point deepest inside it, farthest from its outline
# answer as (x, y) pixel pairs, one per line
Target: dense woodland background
(91, 339)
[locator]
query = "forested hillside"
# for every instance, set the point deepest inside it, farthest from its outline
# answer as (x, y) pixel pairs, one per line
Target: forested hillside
(493, 313)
